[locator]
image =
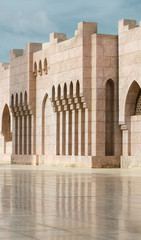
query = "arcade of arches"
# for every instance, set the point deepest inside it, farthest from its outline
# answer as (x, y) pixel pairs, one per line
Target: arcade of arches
(74, 102)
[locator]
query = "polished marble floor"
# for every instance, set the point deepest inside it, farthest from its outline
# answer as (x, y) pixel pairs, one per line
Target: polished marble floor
(53, 203)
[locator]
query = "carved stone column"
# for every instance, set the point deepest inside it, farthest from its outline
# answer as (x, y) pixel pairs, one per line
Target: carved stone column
(124, 140)
(18, 135)
(86, 132)
(27, 134)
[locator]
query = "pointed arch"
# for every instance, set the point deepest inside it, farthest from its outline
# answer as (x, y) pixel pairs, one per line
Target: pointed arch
(12, 101)
(35, 69)
(40, 68)
(48, 127)
(25, 98)
(138, 104)
(65, 91)
(16, 99)
(59, 92)
(45, 66)
(53, 93)
(21, 98)
(130, 109)
(71, 90)
(77, 88)
(6, 124)
(131, 99)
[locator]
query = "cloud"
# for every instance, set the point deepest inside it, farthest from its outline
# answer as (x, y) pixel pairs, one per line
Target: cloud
(23, 21)
(20, 22)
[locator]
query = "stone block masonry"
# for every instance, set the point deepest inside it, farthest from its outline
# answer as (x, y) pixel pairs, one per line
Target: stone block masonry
(74, 102)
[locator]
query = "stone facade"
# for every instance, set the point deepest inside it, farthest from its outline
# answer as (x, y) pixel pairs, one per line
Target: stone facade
(74, 102)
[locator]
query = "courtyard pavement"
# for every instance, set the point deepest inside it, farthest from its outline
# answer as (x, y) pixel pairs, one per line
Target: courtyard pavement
(54, 203)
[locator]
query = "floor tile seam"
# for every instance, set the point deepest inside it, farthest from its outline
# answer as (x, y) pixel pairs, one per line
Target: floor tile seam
(18, 233)
(62, 229)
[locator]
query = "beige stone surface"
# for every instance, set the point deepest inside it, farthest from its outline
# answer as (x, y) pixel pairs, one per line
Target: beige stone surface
(74, 102)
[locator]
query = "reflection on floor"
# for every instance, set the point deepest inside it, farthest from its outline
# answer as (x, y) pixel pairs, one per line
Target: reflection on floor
(69, 203)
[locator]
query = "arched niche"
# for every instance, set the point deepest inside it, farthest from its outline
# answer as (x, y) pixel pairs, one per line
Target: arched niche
(59, 92)
(45, 66)
(77, 88)
(65, 91)
(6, 124)
(12, 101)
(25, 98)
(130, 112)
(40, 68)
(71, 90)
(35, 69)
(53, 93)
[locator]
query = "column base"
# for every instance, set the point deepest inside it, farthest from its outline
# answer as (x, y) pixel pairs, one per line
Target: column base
(130, 161)
(106, 162)
(68, 161)
(24, 159)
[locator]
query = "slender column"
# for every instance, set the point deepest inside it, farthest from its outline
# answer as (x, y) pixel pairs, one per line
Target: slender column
(76, 133)
(64, 133)
(124, 140)
(67, 133)
(14, 135)
(70, 133)
(83, 132)
(79, 131)
(23, 134)
(73, 132)
(27, 134)
(86, 132)
(58, 134)
(18, 133)
(61, 132)
(20, 137)
(32, 134)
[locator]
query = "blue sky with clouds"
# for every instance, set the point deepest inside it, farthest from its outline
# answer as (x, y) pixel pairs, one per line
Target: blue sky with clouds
(23, 21)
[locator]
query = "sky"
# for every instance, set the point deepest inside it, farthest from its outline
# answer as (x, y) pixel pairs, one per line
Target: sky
(23, 21)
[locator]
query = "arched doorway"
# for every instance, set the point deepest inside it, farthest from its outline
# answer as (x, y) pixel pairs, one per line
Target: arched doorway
(48, 127)
(131, 119)
(6, 126)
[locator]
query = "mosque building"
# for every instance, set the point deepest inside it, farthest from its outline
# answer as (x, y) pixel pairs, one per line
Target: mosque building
(74, 102)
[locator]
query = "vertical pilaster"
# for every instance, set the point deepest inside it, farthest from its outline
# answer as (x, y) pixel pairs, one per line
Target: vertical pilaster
(32, 134)
(70, 133)
(76, 133)
(67, 132)
(86, 132)
(58, 133)
(83, 132)
(61, 132)
(73, 132)
(27, 134)
(124, 140)
(23, 134)
(18, 137)
(64, 133)
(14, 135)
(79, 130)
